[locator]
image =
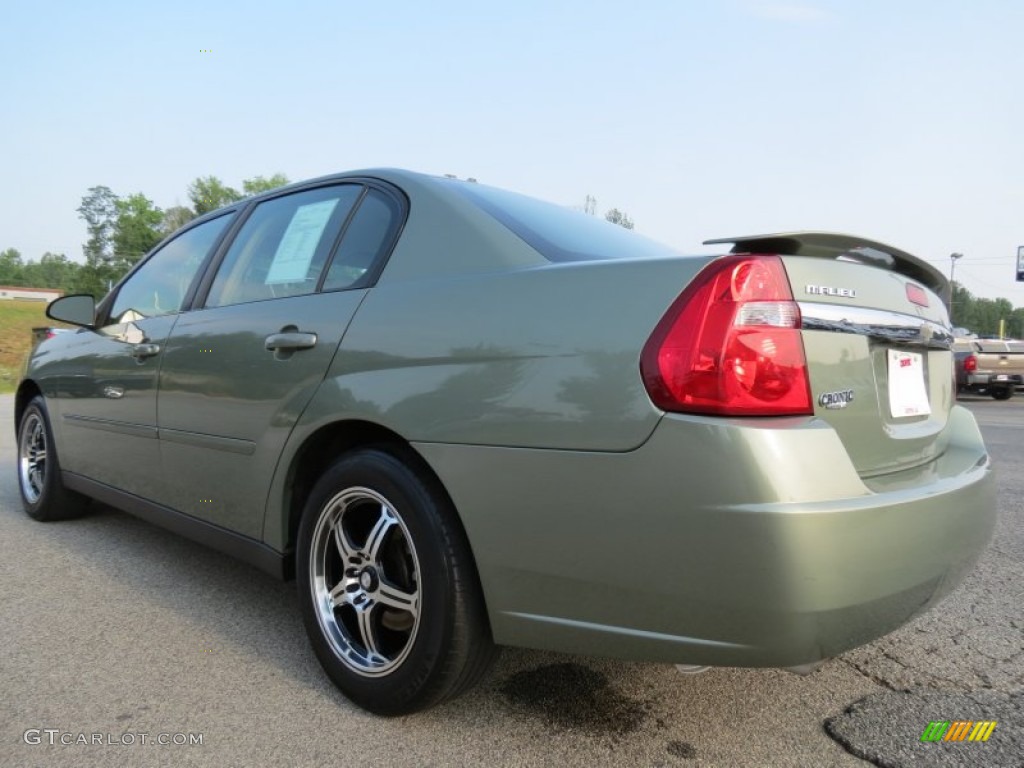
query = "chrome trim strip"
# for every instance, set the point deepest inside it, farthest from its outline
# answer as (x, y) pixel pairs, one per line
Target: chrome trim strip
(877, 324)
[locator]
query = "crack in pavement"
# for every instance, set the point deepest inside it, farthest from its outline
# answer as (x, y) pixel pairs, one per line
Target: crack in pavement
(886, 728)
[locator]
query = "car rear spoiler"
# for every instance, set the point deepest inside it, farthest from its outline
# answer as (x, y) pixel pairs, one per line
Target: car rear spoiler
(831, 245)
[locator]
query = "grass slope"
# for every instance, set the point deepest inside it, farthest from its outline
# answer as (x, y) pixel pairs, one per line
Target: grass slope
(17, 319)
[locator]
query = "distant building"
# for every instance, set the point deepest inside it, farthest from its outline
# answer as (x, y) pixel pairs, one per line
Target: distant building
(21, 293)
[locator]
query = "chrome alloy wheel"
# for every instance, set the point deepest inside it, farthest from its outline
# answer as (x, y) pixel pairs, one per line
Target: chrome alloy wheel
(365, 579)
(32, 458)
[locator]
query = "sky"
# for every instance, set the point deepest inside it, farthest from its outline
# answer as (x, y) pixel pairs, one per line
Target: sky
(898, 120)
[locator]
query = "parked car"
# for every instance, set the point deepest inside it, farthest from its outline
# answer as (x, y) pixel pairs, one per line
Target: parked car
(464, 418)
(989, 367)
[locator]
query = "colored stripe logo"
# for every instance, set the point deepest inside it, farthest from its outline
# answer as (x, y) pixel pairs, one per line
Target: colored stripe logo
(958, 730)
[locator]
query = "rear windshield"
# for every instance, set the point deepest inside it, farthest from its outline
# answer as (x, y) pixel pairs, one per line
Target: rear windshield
(561, 234)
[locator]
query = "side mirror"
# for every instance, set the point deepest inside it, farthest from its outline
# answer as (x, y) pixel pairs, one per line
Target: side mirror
(77, 309)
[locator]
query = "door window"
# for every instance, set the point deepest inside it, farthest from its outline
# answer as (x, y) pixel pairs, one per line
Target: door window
(283, 246)
(159, 286)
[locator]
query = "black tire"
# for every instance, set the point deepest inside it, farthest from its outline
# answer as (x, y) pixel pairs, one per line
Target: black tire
(42, 490)
(402, 626)
(1004, 393)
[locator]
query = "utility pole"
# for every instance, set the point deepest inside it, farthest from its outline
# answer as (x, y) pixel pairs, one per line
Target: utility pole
(953, 258)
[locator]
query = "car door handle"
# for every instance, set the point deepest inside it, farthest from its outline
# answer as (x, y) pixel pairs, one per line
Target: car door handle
(140, 351)
(277, 342)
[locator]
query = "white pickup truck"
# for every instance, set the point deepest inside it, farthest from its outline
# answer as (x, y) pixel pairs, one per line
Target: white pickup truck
(991, 367)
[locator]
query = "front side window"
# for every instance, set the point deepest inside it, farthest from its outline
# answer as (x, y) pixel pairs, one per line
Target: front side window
(159, 286)
(283, 246)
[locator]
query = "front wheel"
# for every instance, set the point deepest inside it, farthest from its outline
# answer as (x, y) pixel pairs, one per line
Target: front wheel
(389, 593)
(1004, 393)
(43, 494)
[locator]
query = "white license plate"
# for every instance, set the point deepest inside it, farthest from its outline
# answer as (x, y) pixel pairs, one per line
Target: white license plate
(1002, 377)
(907, 395)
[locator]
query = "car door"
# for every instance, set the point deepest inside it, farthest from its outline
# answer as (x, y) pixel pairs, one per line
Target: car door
(107, 402)
(240, 369)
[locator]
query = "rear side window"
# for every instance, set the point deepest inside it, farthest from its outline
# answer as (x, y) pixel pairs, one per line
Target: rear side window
(557, 233)
(282, 248)
(368, 237)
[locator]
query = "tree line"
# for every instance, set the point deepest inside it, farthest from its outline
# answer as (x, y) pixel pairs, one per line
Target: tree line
(121, 230)
(983, 316)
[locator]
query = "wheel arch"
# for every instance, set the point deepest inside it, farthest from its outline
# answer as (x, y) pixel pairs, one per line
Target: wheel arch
(27, 390)
(328, 443)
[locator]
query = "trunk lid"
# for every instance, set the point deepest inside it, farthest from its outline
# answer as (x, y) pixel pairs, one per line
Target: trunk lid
(877, 339)
(999, 357)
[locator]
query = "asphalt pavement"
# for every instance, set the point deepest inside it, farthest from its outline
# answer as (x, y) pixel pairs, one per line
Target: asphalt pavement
(117, 632)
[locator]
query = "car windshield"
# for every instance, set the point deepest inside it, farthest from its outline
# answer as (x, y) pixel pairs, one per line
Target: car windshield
(561, 234)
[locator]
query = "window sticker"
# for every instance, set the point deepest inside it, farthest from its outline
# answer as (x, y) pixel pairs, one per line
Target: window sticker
(295, 252)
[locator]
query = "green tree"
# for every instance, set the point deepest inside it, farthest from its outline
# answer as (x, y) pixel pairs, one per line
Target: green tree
(94, 280)
(136, 230)
(983, 316)
(259, 184)
(1002, 310)
(615, 216)
(208, 193)
(175, 218)
(53, 270)
(99, 210)
(1015, 323)
(11, 267)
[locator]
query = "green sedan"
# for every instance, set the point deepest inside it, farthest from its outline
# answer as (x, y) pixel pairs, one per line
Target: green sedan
(463, 418)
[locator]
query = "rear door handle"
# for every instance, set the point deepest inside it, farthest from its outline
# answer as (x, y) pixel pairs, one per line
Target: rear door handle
(292, 341)
(140, 351)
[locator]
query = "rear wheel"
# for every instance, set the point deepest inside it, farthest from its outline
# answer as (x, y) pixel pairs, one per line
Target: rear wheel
(389, 594)
(43, 494)
(1003, 394)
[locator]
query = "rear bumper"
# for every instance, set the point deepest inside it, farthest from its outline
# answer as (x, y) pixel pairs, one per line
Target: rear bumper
(994, 379)
(724, 542)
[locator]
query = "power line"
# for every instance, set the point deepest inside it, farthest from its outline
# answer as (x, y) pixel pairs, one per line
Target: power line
(976, 279)
(981, 260)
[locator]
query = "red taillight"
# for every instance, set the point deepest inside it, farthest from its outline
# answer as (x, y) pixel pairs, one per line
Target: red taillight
(50, 334)
(970, 363)
(730, 344)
